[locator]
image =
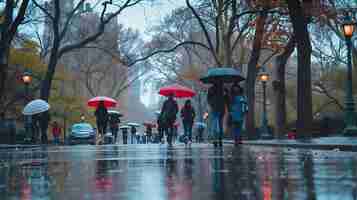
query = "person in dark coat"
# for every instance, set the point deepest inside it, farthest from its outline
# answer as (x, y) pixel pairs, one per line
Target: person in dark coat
(133, 134)
(149, 133)
(188, 116)
(44, 121)
(114, 126)
(125, 135)
(160, 128)
(217, 100)
(101, 115)
(169, 111)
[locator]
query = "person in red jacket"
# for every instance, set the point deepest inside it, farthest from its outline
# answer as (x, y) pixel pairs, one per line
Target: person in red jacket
(56, 132)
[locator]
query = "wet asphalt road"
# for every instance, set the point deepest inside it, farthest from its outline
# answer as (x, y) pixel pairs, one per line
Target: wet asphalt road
(153, 172)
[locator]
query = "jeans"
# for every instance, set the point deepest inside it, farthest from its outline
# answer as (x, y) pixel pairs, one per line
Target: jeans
(132, 138)
(187, 126)
(56, 139)
(237, 129)
(217, 125)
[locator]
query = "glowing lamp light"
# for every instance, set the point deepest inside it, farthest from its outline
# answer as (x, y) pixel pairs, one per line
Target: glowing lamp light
(27, 78)
(348, 27)
(264, 77)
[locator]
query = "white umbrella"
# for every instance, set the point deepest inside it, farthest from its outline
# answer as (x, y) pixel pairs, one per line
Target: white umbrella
(124, 127)
(115, 112)
(35, 107)
(133, 124)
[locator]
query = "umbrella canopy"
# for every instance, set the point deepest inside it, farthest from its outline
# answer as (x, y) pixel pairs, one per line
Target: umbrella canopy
(178, 91)
(201, 124)
(35, 107)
(108, 102)
(124, 127)
(222, 74)
(115, 113)
(133, 124)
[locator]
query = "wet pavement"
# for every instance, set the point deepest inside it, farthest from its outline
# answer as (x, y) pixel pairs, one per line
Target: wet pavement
(153, 172)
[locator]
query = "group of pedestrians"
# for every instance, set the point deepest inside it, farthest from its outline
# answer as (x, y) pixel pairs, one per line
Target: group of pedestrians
(167, 119)
(103, 119)
(219, 98)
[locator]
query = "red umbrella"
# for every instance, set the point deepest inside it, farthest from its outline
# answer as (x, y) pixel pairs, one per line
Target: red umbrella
(178, 91)
(108, 102)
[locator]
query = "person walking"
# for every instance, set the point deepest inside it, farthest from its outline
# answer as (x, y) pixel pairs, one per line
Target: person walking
(161, 128)
(133, 134)
(101, 115)
(237, 110)
(35, 132)
(114, 126)
(169, 111)
(217, 100)
(56, 132)
(149, 133)
(188, 116)
(44, 120)
(125, 135)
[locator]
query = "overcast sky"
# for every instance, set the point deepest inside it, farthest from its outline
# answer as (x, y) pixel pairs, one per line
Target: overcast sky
(143, 16)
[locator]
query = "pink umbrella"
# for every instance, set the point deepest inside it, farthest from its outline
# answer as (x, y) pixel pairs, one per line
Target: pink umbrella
(108, 102)
(177, 90)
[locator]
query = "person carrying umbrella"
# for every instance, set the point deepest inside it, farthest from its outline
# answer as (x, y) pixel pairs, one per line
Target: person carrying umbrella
(237, 110)
(217, 101)
(43, 121)
(188, 116)
(101, 115)
(125, 134)
(133, 134)
(169, 111)
(149, 133)
(114, 125)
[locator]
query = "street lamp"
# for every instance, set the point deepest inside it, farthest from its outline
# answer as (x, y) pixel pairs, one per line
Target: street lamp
(264, 78)
(348, 28)
(27, 79)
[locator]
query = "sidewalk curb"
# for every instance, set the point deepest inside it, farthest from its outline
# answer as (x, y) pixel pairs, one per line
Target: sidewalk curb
(340, 147)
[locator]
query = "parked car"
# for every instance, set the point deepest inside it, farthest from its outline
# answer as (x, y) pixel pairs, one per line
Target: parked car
(82, 133)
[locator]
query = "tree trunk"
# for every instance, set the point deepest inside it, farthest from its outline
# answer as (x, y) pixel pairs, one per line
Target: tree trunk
(304, 96)
(4, 56)
(279, 93)
(252, 73)
(47, 81)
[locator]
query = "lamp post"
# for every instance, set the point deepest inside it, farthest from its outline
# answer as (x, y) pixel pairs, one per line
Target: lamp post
(264, 78)
(348, 28)
(27, 79)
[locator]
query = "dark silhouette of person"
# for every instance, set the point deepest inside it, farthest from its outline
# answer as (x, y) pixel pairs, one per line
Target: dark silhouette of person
(217, 100)
(114, 126)
(101, 115)
(133, 134)
(169, 111)
(188, 116)
(125, 135)
(149, 133)
(161, 127)
(44, 120)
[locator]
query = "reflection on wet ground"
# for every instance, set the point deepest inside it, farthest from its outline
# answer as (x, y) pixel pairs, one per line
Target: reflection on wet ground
(153, 172)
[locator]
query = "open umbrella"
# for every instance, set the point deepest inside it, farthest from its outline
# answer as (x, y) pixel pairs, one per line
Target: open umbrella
(133, 124)
(108, 102)
(124, 127)
(35, 107)
(178, 91)
(222, 74)
(115, 113)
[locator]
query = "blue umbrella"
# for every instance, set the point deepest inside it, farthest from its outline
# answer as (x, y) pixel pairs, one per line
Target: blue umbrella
(222, 74)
